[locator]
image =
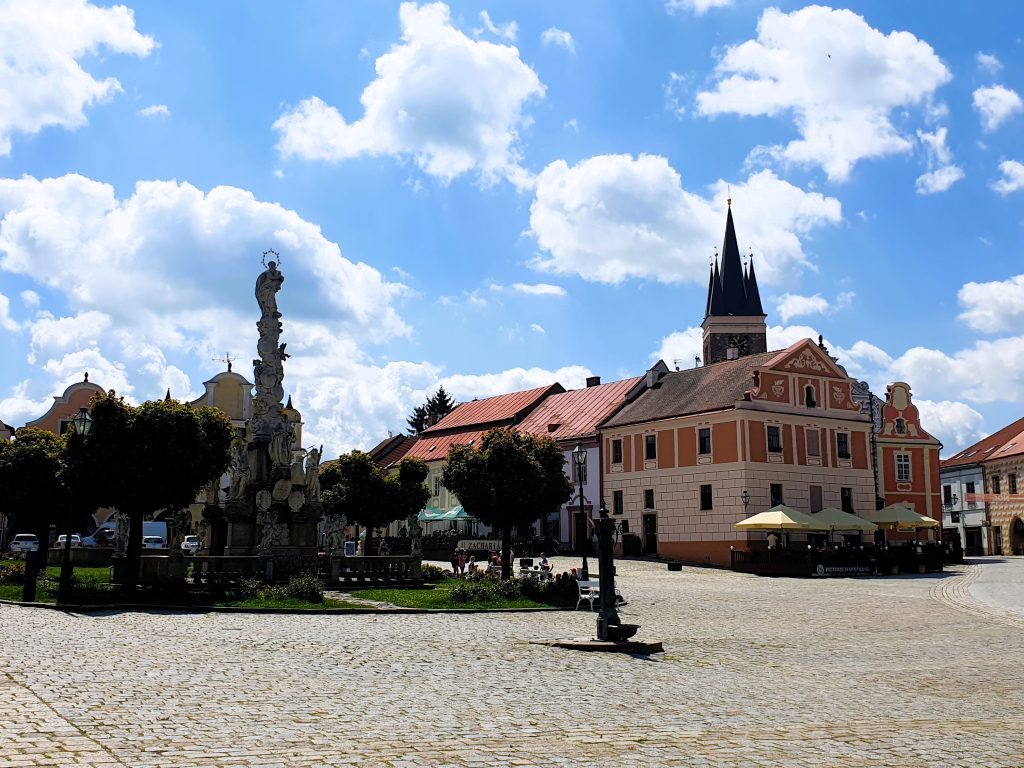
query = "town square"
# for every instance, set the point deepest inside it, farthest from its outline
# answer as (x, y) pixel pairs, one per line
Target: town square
(440, 384)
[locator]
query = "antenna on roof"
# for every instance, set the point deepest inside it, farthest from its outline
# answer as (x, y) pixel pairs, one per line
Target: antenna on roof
(226, 359)
(675, 364)
(696, 361)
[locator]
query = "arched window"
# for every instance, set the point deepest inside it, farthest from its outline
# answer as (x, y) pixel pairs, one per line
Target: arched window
(901, 426)
(809, 396)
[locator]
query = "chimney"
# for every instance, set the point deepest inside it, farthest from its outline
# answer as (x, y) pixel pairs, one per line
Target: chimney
(431, 419)
(593, 381)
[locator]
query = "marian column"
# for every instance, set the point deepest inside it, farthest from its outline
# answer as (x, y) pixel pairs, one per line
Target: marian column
(270, 511)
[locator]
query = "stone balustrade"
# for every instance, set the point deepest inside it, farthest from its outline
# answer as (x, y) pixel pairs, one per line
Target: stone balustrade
(387, 568)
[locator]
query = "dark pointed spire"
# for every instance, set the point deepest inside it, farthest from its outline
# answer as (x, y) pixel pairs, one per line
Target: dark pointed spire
(715, 297)
(711, 285)
(734, 294)
(167, 397)
(753, 295)
(289, 406)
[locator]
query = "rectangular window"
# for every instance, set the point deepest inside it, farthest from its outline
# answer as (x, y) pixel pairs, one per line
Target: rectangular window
(816, 505)
(617, 508)
(1011, 480)
(437, 485)
(947, 495)
(650, 447)
(846, 499)
(903, 467)
(996, 486)
(706, 501)
(969, 491)
(648, 498)
(776, 489)
(813, 442)
(704, 440)
(843, 445)
(774, 440)
(617, 451)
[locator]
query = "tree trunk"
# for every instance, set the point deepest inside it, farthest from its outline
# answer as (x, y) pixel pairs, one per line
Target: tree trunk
(34, 563)
(67, 570)
(133, 559)
(506, 552)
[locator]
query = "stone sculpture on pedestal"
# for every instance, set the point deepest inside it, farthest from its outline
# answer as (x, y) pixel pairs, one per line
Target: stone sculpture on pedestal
(271, 509)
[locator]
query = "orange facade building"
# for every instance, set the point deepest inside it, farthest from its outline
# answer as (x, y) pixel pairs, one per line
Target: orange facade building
(771, 427)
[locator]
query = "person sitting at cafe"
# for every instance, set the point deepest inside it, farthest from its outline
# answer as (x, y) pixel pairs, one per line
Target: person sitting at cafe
(545, 564)
(471, 565)
(773, 541)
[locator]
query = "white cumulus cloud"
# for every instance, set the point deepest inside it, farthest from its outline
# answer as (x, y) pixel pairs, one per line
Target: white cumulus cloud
(537, 328)
(42, 82)
(614, 217)
(1013, 177)
(942, 174)
(840, 79)
(793, 305)
(989, 63)
(559, 37)
(451, 103)
(955, 424)
(698, 7)
(938, 180)
(507, 31)
(6, 321)
(996, 104)
(155, 110)
(539, 289)
(994, 306)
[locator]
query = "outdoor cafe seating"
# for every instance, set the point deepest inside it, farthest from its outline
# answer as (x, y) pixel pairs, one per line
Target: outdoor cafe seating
(799, 544)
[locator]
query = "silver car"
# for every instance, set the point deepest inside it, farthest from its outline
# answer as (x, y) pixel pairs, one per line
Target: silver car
(25, 542)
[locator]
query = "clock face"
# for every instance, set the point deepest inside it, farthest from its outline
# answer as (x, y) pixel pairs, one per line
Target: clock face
(740, 342)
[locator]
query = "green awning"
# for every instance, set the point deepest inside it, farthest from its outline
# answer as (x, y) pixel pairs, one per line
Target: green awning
(431, 514)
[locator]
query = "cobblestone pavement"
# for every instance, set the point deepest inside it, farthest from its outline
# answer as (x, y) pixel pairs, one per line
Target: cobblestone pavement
(909, 671)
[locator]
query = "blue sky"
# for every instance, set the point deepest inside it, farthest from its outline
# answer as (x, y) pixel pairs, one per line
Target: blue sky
(494, 196)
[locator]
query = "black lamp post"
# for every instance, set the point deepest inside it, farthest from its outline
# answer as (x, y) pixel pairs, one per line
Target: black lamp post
(81, 426)
(745, 498)
(579, 459)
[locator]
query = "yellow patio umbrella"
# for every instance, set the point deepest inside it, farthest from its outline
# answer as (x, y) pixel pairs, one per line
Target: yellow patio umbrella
(900, 516)
(780, 518)
(838, 520)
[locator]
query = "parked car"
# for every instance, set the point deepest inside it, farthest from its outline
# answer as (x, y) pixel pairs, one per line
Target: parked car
(153, 542)
(190, 544)
(76, 540)
(25, 542)
(101, 537)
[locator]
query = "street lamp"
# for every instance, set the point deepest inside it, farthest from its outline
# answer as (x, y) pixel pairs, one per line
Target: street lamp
(81, 427)
(745, 498)
(579, 460)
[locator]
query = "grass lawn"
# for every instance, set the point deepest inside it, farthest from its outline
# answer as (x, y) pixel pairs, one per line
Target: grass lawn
(440, 597)
(92, 587)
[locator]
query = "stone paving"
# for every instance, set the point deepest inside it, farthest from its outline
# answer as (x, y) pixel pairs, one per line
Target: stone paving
(910, 671)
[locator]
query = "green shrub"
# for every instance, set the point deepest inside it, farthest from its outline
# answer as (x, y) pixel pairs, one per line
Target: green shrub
(12, 572)
(508, 589)
(305, 587)
(433, 573)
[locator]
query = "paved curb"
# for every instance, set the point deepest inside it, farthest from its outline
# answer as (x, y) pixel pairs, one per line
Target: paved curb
(140, 608)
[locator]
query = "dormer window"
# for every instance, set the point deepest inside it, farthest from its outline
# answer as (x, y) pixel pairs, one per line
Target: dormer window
(809, 400)
(901, 427)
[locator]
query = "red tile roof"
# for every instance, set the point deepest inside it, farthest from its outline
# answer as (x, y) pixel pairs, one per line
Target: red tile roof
(509, 408)
(577, 413)
(391, 449)
(1008, 441)
(435, 447)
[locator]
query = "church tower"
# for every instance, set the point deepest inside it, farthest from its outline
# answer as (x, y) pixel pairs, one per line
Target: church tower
(733, 318)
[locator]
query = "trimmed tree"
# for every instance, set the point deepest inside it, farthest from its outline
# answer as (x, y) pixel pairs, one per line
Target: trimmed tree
(359, 488)
(153, 458)
(510, 479)
(32, 474)
(408, 493)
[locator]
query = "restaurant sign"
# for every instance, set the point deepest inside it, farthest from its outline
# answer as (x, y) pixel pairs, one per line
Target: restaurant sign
(842, 570)
(479, 544)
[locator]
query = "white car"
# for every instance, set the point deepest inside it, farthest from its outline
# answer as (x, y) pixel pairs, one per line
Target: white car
(25, 542)
(190, 544)
(76, 540)
(153, 542)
